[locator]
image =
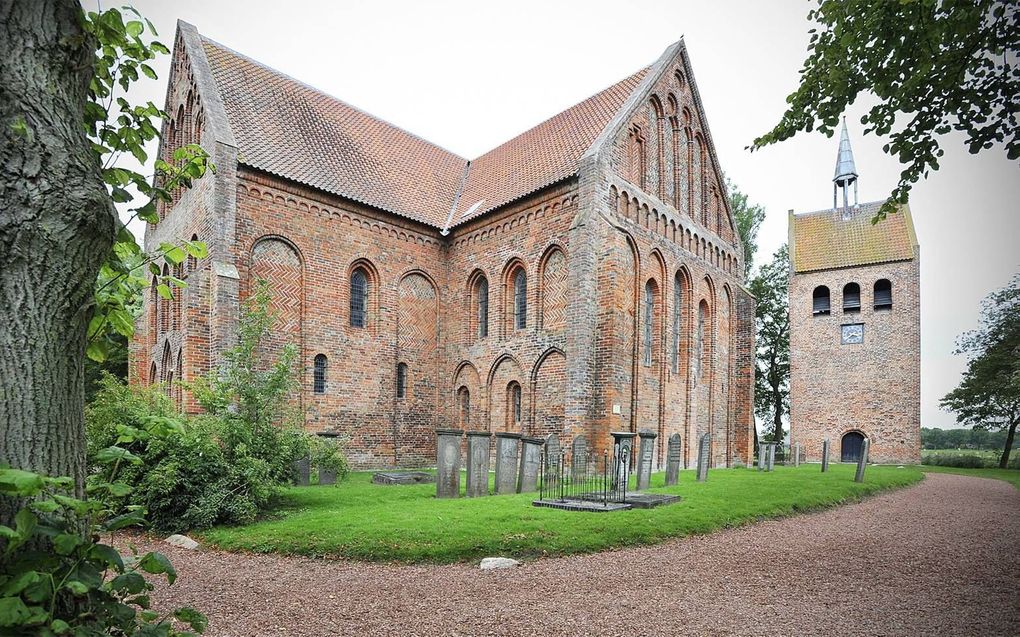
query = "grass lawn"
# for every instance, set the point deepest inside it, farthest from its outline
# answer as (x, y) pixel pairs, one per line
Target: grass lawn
(363, 521)
(1009, 475)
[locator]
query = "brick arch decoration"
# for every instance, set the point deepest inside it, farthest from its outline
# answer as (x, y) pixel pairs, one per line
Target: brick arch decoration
(177, 392)
(553, 290)
(548, 391)
(417, 339)
(471, 305)
(277, 261)
(723, 418)
(508, 315)
(505, 370)
(374, 285)
(704, 308)
(465, 377)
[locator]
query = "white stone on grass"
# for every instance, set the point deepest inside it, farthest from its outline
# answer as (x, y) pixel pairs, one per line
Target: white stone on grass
(182, 541)
(492, 563)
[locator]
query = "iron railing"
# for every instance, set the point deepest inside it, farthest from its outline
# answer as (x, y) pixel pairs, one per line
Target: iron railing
(588, 477)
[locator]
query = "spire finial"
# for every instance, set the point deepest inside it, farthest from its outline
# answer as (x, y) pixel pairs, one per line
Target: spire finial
(846, 170)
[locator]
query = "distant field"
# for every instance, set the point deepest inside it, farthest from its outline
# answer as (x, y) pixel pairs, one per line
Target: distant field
(984, 453)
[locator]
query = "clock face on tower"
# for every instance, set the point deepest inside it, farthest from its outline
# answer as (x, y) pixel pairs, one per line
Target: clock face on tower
(853, 334)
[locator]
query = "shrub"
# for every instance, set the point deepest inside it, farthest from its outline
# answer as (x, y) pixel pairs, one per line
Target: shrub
(964, 460)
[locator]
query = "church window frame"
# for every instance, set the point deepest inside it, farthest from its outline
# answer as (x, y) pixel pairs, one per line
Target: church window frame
(401, 380)
(320, 366)
(821, 304)
(360, 289)
(851, 298)
(883, 298)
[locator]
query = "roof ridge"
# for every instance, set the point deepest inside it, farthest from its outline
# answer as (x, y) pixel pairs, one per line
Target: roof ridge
(329, 95)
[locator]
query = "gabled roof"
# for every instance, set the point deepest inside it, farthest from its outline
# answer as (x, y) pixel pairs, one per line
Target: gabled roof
(287, 128)
(829, 239)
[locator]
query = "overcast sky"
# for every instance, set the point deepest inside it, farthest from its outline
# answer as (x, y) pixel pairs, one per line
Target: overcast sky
(470, 75)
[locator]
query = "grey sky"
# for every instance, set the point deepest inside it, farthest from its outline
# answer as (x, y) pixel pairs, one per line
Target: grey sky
(470, 75)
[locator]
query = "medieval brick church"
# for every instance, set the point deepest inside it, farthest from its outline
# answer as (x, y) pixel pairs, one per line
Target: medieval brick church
(581, 278)
(855, 327)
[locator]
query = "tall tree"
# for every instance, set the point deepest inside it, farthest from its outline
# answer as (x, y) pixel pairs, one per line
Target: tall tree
(938, 65)
(772, 359)
(749, 218)
(64, 126)
(988, 397)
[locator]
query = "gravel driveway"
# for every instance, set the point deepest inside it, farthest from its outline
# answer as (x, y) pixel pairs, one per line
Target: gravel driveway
(937, 558)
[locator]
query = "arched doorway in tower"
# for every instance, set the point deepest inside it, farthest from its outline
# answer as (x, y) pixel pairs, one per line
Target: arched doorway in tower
(850, 449)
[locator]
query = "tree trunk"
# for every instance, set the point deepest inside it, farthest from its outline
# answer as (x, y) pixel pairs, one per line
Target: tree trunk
(57, 224)
(1004, 459)
(777, 414)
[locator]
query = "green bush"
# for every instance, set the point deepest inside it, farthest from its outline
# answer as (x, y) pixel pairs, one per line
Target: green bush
(965, 460)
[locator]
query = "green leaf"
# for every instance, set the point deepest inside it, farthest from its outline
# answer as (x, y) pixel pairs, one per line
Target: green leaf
(164, 291)
(20, 583)
(157, 563)
(108, 555)
(132, 518)
(8, 533)
(149, 73)
(172, 253)
(80, 507)
(25, 522)
(197, 249)
(16, 482)
(13, 611)
(113, 454)
(66, 543)
(119, 489)
(60, 627)
(193, 618)
(134, 28)
(77, 588)
(130, 583)
(122, 321)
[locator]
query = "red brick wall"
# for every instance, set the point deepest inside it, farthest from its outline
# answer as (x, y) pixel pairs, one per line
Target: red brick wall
(872, 387)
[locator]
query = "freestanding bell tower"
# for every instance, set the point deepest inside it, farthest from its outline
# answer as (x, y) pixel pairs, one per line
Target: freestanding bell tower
(855, 328)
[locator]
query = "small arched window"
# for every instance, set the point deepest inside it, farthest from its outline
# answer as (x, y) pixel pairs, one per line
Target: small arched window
(883, 294)
(359, 298)
(820, 301)
(192, 261)
(401, 380)
(482, 296)
(464, 406)
(678, 294)
(520, 300)
(851, 298)
(649, 314)
(514, 403)
(152, 374)
(319, 374)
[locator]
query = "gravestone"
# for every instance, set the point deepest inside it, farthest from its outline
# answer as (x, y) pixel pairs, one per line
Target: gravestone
(645, 452)
(478, 443)
(623, 445)
(704, 448)
(796, 454)
(508, 446)
(448, 462)
(551, 459)
(402, 477)
(579, 457)
(531, 463)
(825, 455)
(327, 476)
(772, 457)
(302, 471)
(862, 462)
(674, 451)
(763, 455)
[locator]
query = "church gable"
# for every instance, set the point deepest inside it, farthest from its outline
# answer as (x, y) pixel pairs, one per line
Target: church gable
(663, 146)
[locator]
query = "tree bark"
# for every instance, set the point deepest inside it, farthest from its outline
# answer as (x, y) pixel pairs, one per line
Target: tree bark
(57, 224)
(1004, 459)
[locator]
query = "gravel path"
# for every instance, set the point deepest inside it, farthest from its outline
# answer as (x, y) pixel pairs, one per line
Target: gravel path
(937, 558)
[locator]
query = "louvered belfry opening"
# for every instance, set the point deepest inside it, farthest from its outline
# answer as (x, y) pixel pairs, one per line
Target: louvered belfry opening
(883, 294)
(820, 301)
(851, 297)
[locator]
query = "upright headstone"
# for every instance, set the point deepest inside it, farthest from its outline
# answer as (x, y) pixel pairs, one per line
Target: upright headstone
(763, 455)
(478, 444)
(327, 476)
(623, 446)
(302, 472)
(674, 452)
(704, 449)
(796, 454)
(531, 463)
(646, 450)
(825, 455)
(448, 462)
(579, 457)
(772, 456)
(862, 462)
(508, 446)
(551, 457)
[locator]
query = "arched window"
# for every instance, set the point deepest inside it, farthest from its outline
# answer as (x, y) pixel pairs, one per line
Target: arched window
(192, 261)
(851, 298)
(678, 294)
(359, 298)
(401, 380)
(883, 294)
(482, 299)
(520, 300)
(319, 374)
(699, 361)
(514, 403)
(820, 301)
(464, 405)
(152, 374)
(649, 315)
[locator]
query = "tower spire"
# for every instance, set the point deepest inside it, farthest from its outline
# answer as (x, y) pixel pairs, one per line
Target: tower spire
(846, 171)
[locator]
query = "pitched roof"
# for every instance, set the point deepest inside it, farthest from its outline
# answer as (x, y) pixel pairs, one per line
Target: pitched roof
(824, 240)
(287, 128)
